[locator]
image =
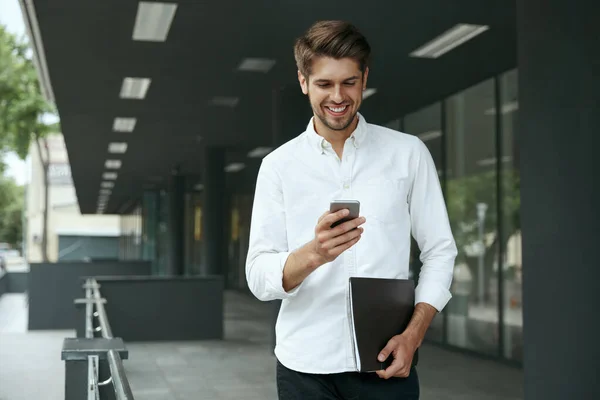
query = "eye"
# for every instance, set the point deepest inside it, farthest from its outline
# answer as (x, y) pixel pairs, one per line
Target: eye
(323, 85)
(350, 83)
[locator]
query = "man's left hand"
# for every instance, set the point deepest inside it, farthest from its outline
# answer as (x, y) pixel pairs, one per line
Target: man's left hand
(403, 350)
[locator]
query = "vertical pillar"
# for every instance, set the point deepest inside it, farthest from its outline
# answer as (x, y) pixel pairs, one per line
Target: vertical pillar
(176, 224)
(213, 212)
(559, 121)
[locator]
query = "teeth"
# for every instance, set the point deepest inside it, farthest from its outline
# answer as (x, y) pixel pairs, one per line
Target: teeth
(337, 109)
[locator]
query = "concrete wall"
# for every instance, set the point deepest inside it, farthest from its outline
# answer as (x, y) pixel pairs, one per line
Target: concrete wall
(163, 308)
(54, 287)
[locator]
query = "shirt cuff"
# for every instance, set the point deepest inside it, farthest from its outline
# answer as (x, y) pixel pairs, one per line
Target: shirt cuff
(275, 278)
(432, 293)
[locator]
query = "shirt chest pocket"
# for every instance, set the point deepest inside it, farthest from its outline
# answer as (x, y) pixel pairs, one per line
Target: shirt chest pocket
(384, 200)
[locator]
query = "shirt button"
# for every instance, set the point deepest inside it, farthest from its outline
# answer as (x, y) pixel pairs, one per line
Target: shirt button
(346, 186)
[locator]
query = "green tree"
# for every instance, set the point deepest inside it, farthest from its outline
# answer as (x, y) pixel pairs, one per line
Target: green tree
(11, 210)
(22, 107)
(463, 195)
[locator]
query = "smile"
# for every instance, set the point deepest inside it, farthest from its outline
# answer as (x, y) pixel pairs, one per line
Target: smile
(337, 111)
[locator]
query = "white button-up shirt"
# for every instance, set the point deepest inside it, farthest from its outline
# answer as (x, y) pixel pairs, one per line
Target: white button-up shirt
(393, 176)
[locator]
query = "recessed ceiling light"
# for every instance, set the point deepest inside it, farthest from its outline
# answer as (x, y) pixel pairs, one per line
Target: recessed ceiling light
(235, 167)
(448, 40)
(259, 152)
(106, 191)
(153, 21)
(256, 65)
(507, 108)
(112, 164)
(135, 88)
(199, 187)
(369, 92)
(225, 101)
(117, 147)
(429, 135)
(109, 176)
(124, 124)
(107, 184)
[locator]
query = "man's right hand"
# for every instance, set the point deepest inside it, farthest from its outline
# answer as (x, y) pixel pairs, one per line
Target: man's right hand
(326, 246)
(329, 242)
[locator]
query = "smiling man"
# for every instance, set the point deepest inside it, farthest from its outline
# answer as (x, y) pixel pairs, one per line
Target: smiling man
(295, 255)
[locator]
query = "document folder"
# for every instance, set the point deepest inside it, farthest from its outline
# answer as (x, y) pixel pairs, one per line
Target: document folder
(380, 309)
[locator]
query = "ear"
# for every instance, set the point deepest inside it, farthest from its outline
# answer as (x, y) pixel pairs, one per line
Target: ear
(364, 80)
(303, 82)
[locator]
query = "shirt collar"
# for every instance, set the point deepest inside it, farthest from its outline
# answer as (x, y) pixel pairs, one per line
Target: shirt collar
(320, 144)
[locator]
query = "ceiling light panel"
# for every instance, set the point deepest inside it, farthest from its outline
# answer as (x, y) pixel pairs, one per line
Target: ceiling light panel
(124, 124)
(263, 65)
(109, 176)
(448, 40)
(107, 185)
(153, 21)
(112, 164)
(260, 152)
(135, 88)
(235, 167)
(225, 101)
(117, 147)
(107, 192)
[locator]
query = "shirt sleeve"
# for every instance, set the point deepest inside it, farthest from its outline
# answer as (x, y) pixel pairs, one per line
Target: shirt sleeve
(268, 248)
(431, 229)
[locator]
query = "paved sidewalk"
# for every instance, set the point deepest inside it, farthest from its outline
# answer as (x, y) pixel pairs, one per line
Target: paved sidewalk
(30, 364)
(243, 367)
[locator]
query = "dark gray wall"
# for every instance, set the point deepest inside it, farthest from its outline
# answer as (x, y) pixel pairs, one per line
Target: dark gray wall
(76, 248)
(559, 85)
(54, 287)
(13, 282)
(213, 212)
(18, 282)
(164, 308)
(3, 283)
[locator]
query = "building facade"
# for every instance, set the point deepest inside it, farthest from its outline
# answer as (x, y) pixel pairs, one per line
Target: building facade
(71, 235)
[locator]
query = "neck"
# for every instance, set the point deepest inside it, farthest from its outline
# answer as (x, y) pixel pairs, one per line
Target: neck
(336, 138)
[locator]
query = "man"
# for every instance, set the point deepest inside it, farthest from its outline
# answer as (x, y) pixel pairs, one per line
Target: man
(341, 156)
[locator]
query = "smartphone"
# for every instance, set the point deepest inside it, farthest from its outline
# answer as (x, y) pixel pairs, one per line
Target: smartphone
(352, 205)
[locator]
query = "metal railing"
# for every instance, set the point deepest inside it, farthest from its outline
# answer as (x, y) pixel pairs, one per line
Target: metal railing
(117, 377)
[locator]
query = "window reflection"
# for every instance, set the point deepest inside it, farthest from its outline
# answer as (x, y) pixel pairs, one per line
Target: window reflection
(511, 257)
(472, 208)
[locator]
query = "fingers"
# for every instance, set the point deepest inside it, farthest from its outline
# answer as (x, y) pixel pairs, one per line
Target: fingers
(401, 364)
(387, 350)
(326, 213)
(398, 369)
(329, 218)
(345, 238)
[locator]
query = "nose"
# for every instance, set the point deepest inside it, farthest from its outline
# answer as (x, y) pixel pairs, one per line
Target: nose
(337, 95)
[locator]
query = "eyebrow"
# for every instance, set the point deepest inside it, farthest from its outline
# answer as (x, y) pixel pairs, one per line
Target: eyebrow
(329, 80)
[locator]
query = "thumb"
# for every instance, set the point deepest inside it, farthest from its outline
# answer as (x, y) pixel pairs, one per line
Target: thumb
(387, 350)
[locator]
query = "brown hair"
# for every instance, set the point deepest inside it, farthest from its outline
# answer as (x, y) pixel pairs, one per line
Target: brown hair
(335, 39)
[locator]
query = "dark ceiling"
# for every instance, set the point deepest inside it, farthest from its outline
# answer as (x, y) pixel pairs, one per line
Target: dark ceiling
(89, 50)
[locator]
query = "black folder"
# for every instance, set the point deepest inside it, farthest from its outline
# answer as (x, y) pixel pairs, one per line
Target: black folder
(380, 309)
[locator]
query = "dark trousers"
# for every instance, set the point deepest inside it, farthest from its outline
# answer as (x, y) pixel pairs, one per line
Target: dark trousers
(292, 385)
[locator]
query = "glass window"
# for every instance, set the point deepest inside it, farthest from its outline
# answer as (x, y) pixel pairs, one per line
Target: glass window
(472, 314)
(193, 232)
(427, 125)
(511, 227)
